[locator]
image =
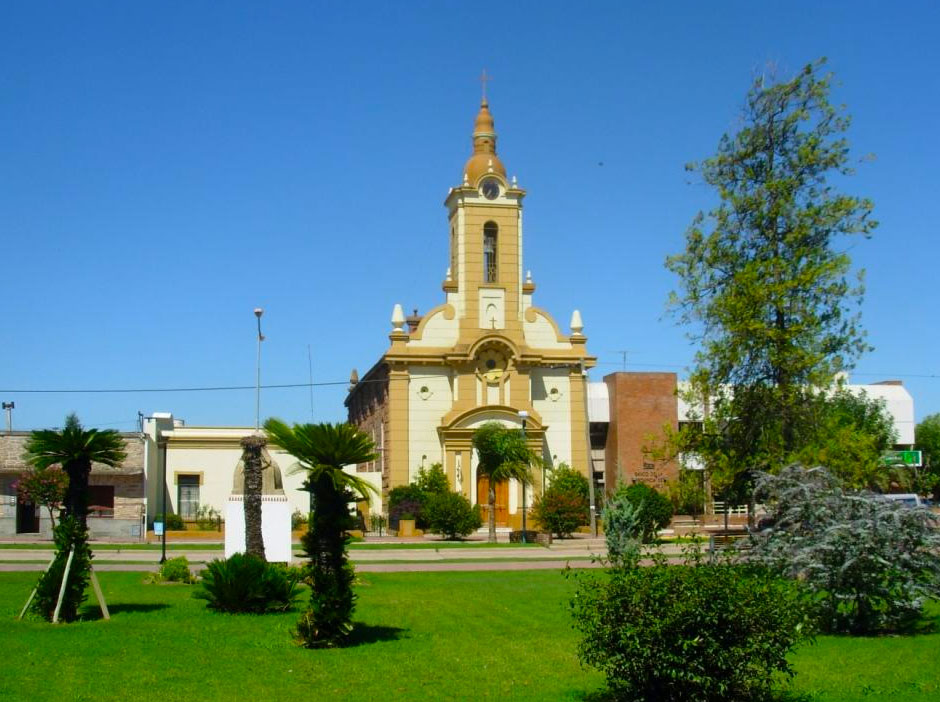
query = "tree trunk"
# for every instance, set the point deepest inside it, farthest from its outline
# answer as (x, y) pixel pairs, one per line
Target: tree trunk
(492, 496)
(76, 494)
(251, 456)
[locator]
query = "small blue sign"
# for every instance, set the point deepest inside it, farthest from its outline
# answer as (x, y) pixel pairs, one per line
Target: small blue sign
(158, 528)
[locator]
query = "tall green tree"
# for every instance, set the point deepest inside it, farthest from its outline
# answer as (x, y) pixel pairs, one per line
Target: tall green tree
(927, 439)
(503, 456)
(75, 449)
(849, 435)
(764, 280)
(322, 450)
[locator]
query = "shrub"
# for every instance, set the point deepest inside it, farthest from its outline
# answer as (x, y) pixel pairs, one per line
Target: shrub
(654, 510)
(869, 562)
(208, 518)
(406, 499)
(623, 529)
(694, 632)
(298, 520)
(173, 522)
(432, 480)
(69, 534)
(451, 514)
(565, 505)
(560, 511)
(246, 584)
(567, 479)
(176, 570)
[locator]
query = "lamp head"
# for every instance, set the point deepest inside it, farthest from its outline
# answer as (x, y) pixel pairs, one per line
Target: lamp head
(523, 414)
(258, 312)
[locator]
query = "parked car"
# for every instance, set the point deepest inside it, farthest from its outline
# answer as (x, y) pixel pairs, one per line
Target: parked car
(908, 499)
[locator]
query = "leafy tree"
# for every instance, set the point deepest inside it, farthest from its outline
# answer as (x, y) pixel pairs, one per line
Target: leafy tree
(503, 455)
(451, 514)
(927, 439)
(870, 563)
(849, 434)
(764, 279)
(567, 479)
(560, 511)
(321, 451)
(75, 449)
(687, 493)
(251, 458)
(432, 480)
(45, 487)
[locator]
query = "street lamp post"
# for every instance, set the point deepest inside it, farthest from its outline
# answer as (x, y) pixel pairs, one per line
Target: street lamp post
(258, 313)
(523, 415)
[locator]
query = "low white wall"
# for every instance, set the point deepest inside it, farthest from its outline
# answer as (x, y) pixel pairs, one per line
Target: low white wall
(275, 527)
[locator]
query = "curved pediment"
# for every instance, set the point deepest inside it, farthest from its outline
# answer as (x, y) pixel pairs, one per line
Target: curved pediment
(541, 331)
(476, 416)
(438, 328)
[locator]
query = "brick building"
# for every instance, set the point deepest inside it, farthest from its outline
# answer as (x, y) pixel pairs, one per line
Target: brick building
(116, 495)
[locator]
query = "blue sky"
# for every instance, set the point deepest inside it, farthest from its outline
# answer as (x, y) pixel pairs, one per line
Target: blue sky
(167, 167)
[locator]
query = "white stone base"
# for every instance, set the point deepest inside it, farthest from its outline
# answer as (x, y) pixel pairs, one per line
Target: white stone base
(275, 527)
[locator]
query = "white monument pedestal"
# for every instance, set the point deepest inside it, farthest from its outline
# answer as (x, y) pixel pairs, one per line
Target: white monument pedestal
(275, 527)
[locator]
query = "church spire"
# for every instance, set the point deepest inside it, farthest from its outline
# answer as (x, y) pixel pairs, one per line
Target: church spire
(484, 159)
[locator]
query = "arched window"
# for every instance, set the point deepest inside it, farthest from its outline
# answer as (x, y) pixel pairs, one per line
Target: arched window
(490, 270)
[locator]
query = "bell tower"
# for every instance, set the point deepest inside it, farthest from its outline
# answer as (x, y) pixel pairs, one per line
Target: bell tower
(485, 218)
(486, 354)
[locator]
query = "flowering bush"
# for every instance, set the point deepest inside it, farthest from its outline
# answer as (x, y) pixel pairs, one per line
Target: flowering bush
(560, 511)
(870, 563)
(43, 486)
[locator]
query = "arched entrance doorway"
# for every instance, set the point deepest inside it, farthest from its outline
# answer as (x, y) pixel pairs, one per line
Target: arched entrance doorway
(502, 500)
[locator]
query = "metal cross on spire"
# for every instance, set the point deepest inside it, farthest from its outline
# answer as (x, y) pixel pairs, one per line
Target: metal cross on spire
(483, 79)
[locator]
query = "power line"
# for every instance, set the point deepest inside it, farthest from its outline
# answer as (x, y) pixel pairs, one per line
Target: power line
(311, 385)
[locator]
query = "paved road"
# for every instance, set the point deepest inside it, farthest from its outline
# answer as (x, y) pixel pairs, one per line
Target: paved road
(577, 552)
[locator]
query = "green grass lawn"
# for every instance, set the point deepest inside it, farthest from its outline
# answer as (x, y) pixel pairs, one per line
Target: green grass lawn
(479, 635)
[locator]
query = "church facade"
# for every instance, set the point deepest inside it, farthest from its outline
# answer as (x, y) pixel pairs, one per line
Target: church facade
(486, 354)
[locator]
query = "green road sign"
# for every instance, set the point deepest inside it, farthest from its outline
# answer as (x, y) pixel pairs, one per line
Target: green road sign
(911, 459)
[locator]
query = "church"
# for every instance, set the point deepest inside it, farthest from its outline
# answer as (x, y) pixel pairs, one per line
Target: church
(486, 354)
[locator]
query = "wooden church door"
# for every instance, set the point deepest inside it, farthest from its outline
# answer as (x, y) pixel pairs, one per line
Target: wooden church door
(502, 500)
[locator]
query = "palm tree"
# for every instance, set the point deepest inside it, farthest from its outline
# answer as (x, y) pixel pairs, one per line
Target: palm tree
(75, 449)
(503, 455)
(252, 447)
(321, 451)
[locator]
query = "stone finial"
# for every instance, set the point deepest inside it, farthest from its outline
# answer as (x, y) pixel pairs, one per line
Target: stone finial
(449, 276)
(353, 378)
(515, 184)
(576, 324)
(528, 277)
(398, 318)
(466, 180)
